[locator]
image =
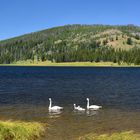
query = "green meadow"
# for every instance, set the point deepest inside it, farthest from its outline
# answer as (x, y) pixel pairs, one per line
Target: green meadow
(74, 64)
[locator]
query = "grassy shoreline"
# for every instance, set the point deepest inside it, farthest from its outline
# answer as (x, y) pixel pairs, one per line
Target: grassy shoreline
(69, 64)
(128, 135)
(18, 130)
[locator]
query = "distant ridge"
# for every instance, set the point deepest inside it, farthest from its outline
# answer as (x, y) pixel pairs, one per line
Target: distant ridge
(70, 43)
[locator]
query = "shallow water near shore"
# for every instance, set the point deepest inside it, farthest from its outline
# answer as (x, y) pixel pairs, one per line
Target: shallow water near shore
(24, 93)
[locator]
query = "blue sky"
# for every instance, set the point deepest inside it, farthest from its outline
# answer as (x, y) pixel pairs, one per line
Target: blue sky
(18, 17)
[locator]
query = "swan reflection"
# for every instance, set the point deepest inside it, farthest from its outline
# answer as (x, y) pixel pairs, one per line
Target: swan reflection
(91, 112)
(79, 112)
(55, 114)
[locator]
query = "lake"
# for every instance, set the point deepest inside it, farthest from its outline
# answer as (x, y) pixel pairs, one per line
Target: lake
(24, 93)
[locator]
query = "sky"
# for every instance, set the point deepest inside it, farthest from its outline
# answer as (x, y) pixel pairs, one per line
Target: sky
(18, 17)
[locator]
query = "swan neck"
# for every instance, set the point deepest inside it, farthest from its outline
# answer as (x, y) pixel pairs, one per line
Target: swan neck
(87, 103)
(74, 106)
(50, 105)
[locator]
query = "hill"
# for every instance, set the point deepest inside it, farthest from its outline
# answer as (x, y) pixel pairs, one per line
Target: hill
(75, 43)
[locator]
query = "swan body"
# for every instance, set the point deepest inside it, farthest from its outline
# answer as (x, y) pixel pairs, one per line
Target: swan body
(93, 107)
(78, 108)
(75, 108)
(81, 109)
(54, 108)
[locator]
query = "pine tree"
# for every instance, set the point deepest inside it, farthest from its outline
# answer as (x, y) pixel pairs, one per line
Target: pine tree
(129, 41)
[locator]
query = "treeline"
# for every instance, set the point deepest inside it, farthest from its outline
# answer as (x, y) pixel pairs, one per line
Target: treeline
(94, 52)
(55, 45)
(69, 53)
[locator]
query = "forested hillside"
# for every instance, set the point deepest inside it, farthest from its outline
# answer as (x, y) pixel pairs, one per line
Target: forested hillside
(73, 43)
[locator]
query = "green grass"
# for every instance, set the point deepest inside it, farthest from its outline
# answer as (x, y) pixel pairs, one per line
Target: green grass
(129, 135)
(10, 130)
(82, 64)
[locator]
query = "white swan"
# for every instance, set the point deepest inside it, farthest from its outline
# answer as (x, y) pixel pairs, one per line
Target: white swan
(75, 108)
(54, 108)
(93, 107)
(78, 108)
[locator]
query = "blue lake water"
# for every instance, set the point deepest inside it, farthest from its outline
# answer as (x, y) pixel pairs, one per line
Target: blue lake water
(24, 93)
